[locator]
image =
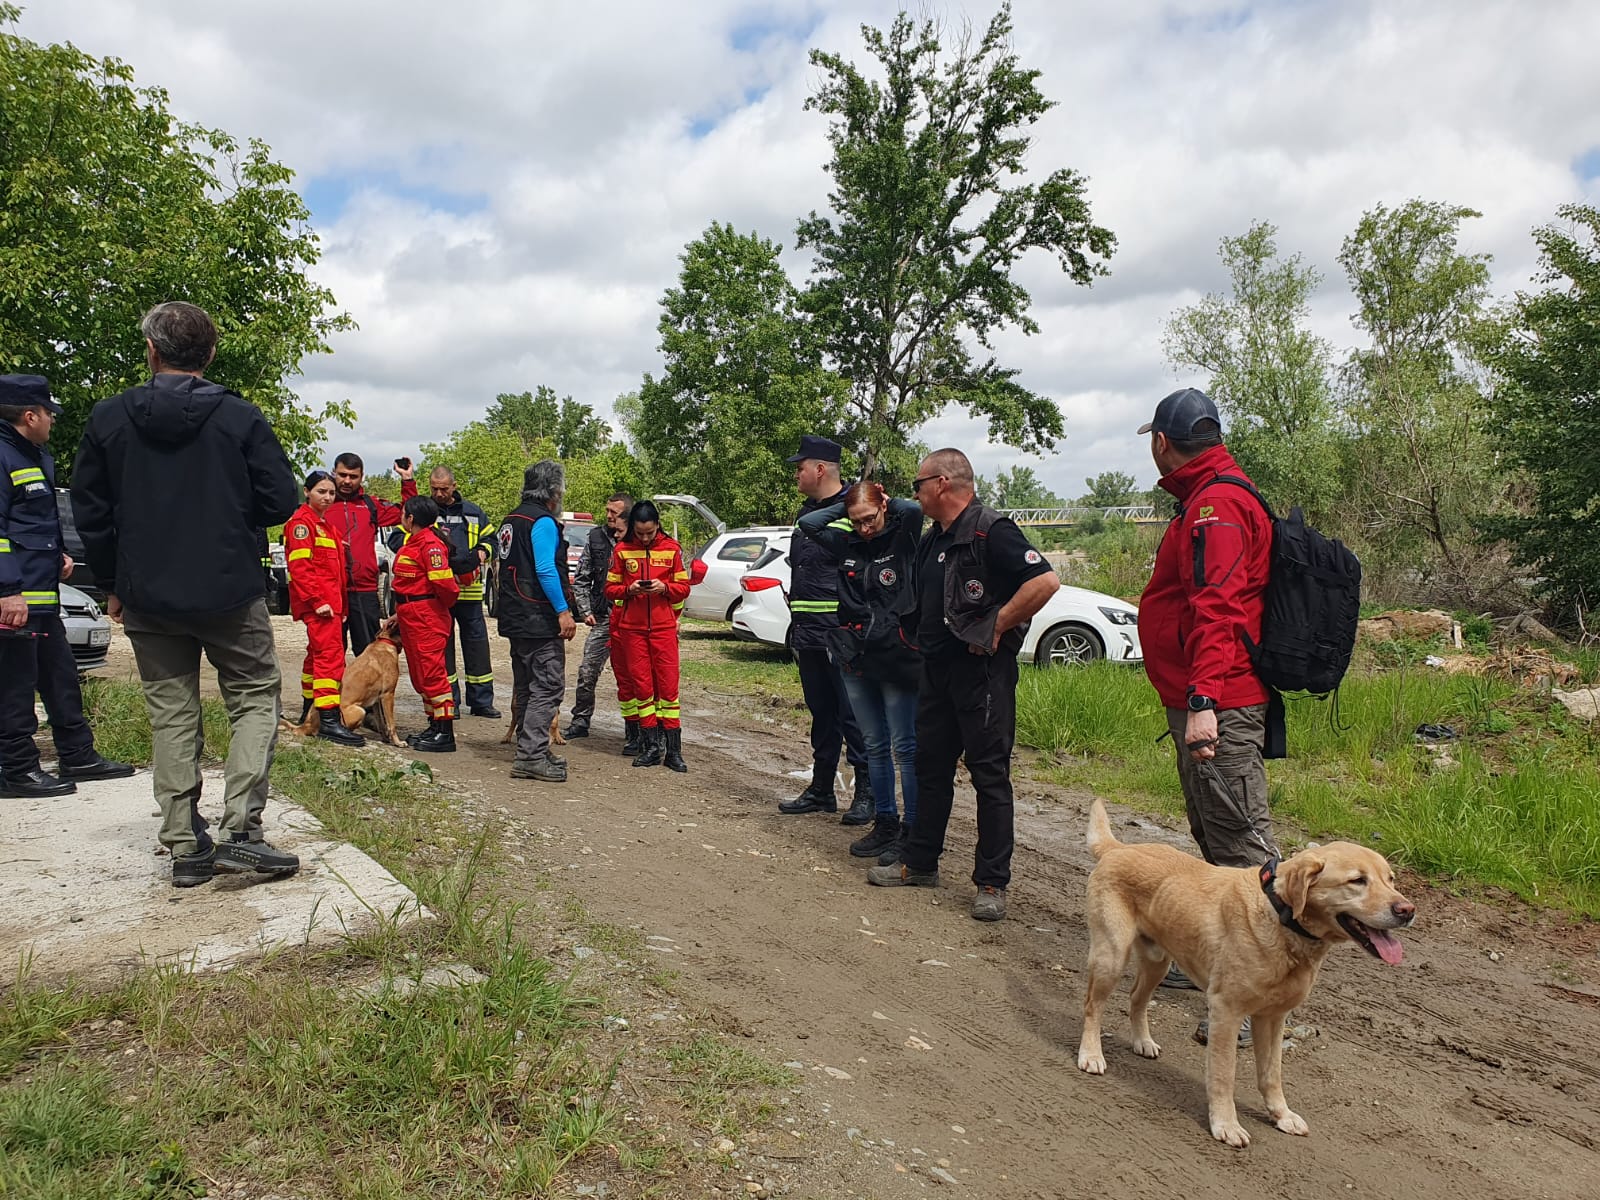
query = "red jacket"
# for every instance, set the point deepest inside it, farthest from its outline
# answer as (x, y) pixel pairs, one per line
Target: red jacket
(1207, 589)
(663, 560)
(422, 568)
(352, 521)
(315, 557)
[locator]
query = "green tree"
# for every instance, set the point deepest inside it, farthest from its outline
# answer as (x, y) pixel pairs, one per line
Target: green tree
(1269, 374)
(108, 206)
(488, 463)
(1111, 489)
(1020, 487)
(570, 424)
(741, 382)
(1546, 410)
(915, 262)
(1420, 472)
(592, 480)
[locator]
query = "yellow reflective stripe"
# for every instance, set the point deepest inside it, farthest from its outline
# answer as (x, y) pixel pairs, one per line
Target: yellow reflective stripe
(668, 708)
(813, 606)
(325, 683)
(325, 541)
(844, 525)
(40, 597)
(630, 708)
(441, 698)
(441, 574)
(326, 702)
(678, 607)
(5, 545)
(296, 555)
(28, 475)
(481, 678)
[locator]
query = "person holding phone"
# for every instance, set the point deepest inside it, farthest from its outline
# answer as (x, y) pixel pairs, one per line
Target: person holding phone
(315, 556)
(357, 517)
(647, 584)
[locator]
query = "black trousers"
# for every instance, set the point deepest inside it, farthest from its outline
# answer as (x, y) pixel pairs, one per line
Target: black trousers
(361, 620)
(474, 632)
(831, 718)
(966, 707)
(41, 664)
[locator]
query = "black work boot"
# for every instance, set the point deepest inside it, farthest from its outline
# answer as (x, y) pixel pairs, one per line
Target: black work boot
(674, 759)
(814, 799)
(331, 729)
(441, 739)
(860, 810)
(305, 710)
(37, 784)
(652, 747)
(191, 870)
(893, 854)
(413, 738)
(239, 853)
(630, 739)
(578, 729)
(94, 767)
(885, 832)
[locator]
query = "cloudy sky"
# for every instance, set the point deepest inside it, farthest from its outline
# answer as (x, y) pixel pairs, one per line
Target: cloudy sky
(503, 188)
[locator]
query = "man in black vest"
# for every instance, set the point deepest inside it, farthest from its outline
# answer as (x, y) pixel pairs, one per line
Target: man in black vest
(979, 582)
(535, 613)
(594, 609)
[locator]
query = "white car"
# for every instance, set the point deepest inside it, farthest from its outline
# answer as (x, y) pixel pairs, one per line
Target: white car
(88, 631)
(1075, 626)
(727, 558)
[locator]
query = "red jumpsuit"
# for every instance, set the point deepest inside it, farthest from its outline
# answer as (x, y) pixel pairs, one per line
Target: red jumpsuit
(424, 590)
(644, 629)
(315, 558)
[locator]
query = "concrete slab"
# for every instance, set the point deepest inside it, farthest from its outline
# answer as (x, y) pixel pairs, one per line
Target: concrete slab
(86, 890)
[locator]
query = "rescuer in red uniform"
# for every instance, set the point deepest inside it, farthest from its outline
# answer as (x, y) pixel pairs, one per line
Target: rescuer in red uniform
(317, 581)
(647, 585)
(424, 589)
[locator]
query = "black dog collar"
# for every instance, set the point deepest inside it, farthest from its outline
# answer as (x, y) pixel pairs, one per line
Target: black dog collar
(1269, 874)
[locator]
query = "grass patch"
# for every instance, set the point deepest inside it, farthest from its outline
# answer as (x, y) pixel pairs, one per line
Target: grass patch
(1519, 808)
(717, 661)
(116, 710)
(722, 1083)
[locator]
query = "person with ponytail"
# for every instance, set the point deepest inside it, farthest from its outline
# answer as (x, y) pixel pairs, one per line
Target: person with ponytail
(318, 578)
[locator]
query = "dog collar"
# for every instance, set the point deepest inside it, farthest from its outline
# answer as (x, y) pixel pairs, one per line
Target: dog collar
(1269, 875)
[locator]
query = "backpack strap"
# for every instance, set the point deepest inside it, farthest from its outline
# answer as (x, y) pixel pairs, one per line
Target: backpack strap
(372, 510)
(1237, 482)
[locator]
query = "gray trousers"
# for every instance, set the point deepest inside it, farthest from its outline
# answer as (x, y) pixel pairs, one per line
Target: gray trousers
(1222, 833)
(538, 682)
(596, 653)
(239, 645)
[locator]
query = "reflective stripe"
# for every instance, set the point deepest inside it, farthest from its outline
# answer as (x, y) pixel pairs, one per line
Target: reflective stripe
(481, 678)
(678, 607)
(630, 708)
(325, 683)
(813, 606)
(437, 575)
(668, 708)
(40, 598)
(844, 525)
(297, 555)
(5, 545)
(325, 541)
(326, 702)
(28, 475)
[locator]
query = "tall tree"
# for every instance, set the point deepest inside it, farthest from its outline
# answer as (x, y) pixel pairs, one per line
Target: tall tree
(1111, 489)
(1019, 487)
(915, 262)
(1269, 373)
(488, 462)
(109, 206)
(1420, 470)
(741, 382)
(570, 424)
(1546, 410)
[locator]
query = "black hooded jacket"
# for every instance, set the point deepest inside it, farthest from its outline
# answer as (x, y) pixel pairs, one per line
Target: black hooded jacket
(171, 482)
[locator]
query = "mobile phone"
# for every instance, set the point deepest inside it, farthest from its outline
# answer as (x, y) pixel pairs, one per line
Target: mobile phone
(403, 463)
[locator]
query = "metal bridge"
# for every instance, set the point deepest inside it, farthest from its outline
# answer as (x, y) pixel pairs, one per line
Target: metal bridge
(1139, 514)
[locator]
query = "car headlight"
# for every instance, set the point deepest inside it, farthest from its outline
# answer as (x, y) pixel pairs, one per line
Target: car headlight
(1120, 616)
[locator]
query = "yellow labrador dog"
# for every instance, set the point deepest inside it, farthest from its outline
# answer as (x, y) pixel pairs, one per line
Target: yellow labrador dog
(1252, 939)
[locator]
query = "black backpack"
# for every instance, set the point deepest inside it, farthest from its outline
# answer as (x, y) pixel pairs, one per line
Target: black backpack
(1313, 602)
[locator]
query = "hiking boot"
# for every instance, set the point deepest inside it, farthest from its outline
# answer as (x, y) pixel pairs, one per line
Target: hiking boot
(813, 799)
(239, 853)
(191, 870)
(674, 759)
(652, 747)
(333, 730)
(630, 739)
(441, 739)
(885, 832)
(412, 739)
(896, 852)
(487, 710)
(95, 767)
(861, 806)
(900, 875)
(540, 768)
(579, 728)
(1174, 978)
(558, 759)
(989, 904)
(1202, 1033)
(37, 784)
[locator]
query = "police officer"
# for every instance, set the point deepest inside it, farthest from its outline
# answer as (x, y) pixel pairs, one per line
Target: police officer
(813, 615)
(465, 530)
(34, 655)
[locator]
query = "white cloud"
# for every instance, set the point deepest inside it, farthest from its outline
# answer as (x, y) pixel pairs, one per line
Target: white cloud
(523, 177)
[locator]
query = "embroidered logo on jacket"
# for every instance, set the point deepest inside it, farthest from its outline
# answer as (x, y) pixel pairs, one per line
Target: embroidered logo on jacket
(975, 589)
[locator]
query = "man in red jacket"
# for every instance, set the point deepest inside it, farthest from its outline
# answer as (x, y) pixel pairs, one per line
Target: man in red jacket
(357, 517)
(1204, 599)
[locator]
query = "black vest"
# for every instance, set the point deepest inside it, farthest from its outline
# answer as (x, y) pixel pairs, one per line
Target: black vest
(601, 544)
(523, 611)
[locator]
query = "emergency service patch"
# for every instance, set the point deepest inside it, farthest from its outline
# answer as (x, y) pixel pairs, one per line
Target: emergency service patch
(503, 539)
(435, 557)
(1032, 557)
(975, 589)
(888, 577)
(941, 556)
(300, 531)
(632, 564)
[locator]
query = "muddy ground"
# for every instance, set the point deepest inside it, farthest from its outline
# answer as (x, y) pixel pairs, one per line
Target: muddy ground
(931, 1045)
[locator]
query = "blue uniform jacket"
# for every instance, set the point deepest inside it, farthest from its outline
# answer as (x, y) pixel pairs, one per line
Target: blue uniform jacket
(30, 524)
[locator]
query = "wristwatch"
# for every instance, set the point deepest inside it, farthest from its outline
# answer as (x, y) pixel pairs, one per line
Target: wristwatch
(1201, 703)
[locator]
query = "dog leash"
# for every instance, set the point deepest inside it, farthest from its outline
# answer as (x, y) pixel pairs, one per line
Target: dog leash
(1239, 809)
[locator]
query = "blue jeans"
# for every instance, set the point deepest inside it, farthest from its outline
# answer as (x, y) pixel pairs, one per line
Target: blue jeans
(888, 718)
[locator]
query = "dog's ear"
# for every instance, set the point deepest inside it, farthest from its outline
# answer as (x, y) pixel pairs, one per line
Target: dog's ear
(1295, 878)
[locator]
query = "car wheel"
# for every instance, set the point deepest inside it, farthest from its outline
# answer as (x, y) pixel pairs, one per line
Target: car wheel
(1068, 646)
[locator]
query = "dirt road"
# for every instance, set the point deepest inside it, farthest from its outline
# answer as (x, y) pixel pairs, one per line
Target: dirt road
(934, 1042)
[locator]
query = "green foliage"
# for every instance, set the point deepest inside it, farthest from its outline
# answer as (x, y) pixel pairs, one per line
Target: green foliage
(121, 720)
(593, 480)
(1017, 488)
(1546, 410)
(542, 417)
(1269, 374)
(488, 463)
(741, 383)
(1111, 489)
(915, 262)
(108, 206)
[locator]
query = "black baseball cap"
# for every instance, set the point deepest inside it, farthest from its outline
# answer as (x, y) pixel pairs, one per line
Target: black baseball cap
(820, 448)
(1178, 414)
(25, 391)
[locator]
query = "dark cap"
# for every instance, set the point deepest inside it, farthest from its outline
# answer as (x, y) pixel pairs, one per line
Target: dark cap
(1178, 414)
(820, 448)
(25, 391)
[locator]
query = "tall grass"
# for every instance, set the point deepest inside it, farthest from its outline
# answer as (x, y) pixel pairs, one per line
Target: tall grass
(1514, 802)
(116, 710)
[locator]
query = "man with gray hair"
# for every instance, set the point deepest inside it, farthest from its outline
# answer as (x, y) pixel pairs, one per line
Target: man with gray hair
(535, 613)
(172, 481)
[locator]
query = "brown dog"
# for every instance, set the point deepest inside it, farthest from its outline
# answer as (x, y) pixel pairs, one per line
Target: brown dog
(1233, 932)
(368, 687)
(510, 738)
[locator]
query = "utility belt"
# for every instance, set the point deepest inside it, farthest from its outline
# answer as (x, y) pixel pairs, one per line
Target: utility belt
(399, 599)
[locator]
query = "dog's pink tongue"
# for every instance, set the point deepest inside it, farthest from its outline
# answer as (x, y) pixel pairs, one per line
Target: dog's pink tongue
(1387, 945)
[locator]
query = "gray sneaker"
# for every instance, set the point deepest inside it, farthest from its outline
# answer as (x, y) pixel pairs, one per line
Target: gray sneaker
(900, 875)
(1175, 978)
(542, 769)
(989, 904)
(1202, 1033)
